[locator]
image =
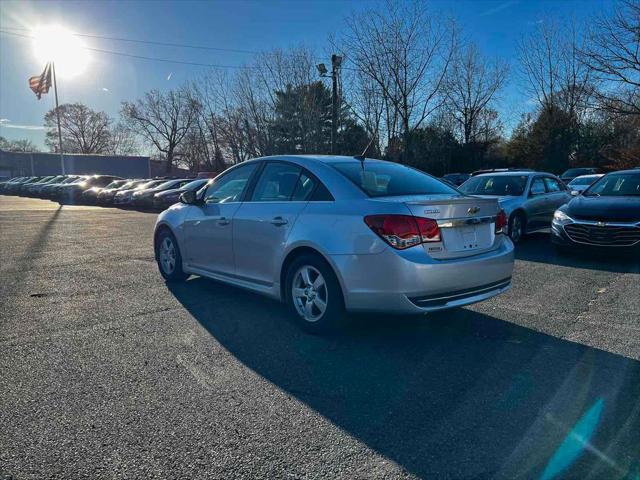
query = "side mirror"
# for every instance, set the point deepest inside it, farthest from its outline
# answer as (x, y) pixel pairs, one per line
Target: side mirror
(188, 197)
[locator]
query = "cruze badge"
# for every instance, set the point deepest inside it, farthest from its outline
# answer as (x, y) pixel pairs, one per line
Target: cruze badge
(473, 210)
(431, 211)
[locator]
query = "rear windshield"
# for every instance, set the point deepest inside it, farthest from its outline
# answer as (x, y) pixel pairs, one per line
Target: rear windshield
(577, 171)
(512, 185)
(583, 181)
(384, 179)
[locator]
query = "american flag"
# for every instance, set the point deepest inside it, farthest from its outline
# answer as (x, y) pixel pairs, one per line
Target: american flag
(41, 83)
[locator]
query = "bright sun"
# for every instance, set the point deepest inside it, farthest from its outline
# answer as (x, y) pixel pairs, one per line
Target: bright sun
(57, 44)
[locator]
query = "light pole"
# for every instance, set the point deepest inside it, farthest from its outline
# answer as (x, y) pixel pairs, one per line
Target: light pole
(336, 62)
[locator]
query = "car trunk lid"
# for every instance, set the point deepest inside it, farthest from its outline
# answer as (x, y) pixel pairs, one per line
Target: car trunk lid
(467, 224)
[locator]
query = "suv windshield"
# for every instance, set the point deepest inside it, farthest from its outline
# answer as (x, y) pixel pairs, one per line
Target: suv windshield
(500, 185)
(615, 185)
(386, 179)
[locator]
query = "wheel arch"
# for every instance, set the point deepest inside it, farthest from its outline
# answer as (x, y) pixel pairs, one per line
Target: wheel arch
(161, 227)
(305, 250)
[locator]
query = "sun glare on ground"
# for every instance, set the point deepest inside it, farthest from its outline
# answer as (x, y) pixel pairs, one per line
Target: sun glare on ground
(57, 44)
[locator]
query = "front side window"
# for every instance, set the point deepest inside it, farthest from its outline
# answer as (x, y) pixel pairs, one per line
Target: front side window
(385, 179)
(552, 185)
(229, 187)
(277, 183)
(498, 185)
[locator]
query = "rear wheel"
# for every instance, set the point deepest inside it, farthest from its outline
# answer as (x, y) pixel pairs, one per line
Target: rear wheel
(169, 258)
(313, 295)
(516, 227)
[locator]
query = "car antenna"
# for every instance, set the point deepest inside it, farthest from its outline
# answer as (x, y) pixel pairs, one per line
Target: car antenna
(362, 157)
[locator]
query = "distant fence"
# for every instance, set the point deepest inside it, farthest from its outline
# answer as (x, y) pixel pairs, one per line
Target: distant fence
(18, 164)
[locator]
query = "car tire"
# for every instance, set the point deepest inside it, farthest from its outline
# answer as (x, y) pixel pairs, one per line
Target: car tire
(517, 225)
(311, 283)
(169, 258)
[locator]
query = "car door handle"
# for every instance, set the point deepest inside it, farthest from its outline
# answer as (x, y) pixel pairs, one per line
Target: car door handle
(279, 221)
(224, 221)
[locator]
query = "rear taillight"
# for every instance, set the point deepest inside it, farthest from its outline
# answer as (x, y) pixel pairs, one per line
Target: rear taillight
(403, 231)
(501, 221)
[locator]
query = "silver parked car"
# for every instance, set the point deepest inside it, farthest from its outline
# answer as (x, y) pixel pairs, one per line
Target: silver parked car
(528, 198)
(581, 183)
(325, 234)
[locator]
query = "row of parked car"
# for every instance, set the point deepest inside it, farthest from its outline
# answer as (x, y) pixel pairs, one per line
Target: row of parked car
(567, 177)
(155, 193)
(590, 209)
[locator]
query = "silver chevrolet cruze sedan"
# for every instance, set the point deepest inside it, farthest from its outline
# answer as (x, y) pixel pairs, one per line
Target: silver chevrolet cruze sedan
(327, 234)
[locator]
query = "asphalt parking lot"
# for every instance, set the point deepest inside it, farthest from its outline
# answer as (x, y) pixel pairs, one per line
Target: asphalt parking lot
(106, 372)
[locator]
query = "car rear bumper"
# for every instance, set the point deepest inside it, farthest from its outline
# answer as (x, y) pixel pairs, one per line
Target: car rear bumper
(410, 281)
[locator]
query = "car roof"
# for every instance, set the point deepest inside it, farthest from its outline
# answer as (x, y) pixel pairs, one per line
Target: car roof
(516, 173)
(328, 159)
(591, 175)
(631, 170)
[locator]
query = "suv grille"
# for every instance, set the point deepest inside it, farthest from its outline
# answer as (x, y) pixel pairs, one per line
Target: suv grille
(608, 235)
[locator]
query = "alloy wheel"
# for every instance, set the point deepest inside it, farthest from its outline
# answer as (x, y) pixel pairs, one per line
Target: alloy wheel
(516, 229)
(310, 293)
(167, 256)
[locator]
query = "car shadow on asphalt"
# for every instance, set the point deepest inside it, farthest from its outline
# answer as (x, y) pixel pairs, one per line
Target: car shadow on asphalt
(537, 247)
(454, 394)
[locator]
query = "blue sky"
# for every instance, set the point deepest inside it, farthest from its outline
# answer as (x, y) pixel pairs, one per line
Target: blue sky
(495, 26)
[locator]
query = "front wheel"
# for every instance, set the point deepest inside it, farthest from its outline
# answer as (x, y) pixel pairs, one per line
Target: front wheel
(169, 258)
(313, 295)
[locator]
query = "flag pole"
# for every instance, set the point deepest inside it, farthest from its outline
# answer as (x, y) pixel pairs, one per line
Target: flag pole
(55, 91)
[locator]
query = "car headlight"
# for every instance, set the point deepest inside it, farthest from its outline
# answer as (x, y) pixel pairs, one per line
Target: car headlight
(560, 217)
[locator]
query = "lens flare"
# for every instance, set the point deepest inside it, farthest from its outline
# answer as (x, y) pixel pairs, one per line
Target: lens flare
(57, 44)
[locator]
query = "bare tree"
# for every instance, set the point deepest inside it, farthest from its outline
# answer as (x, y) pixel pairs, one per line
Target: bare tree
(162, 119)
(613, 54)
(471, 86)
(406, 51)
(552, 70)
(123, 141)
(23, 145)
(83, 130)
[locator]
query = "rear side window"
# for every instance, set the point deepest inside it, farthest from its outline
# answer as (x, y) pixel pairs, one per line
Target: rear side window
(382, 179)
(277, 183)
(321, 194)
(537, 187)
(304, 188)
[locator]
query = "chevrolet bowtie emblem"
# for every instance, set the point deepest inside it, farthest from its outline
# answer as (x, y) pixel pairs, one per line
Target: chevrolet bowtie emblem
(473, 210)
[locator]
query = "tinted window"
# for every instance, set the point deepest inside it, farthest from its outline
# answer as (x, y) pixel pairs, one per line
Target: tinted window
(574, 172)
(304, 188)
(614, 185)
(537, 187)
(552, 185)
(381, 179)
(321, 194)
(583, 181)
(277, 183)
(512, 185)
(194, 185)
(229, 187)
